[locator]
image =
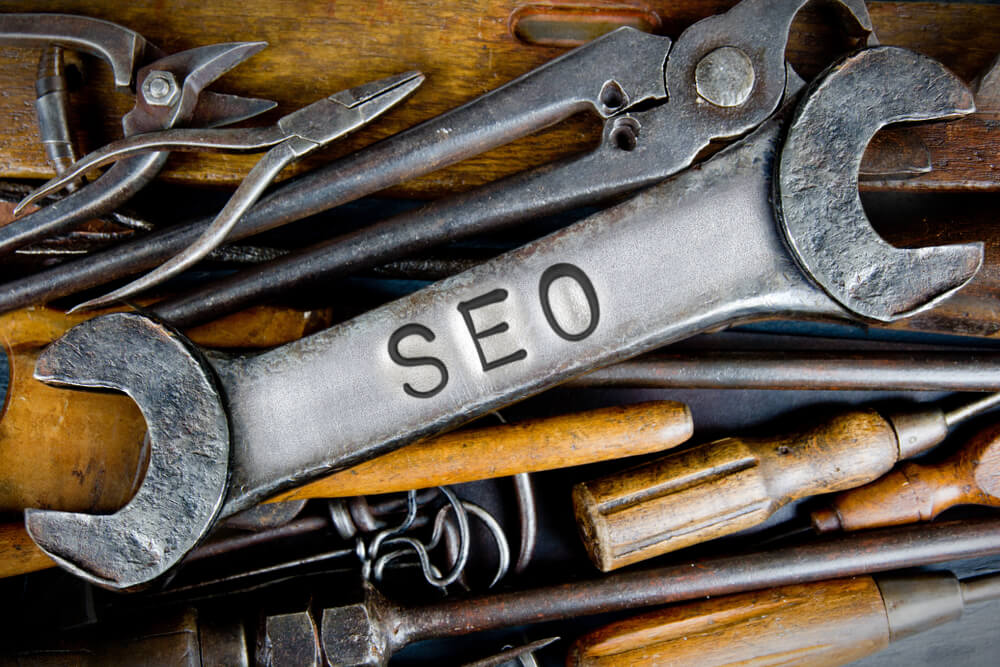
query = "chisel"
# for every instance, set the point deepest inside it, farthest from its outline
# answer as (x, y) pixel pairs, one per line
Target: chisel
(818, 624)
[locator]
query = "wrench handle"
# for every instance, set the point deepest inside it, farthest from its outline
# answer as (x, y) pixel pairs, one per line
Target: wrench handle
(633, 277)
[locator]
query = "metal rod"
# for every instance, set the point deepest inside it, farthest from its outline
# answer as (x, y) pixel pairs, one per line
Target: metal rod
(852, 555)
(971, 409)
(981, 589)
(805, 370)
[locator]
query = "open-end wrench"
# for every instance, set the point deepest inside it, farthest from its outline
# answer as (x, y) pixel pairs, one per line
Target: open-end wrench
(770, 227)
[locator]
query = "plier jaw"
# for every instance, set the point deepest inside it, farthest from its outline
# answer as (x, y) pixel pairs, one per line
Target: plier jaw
(170, 91)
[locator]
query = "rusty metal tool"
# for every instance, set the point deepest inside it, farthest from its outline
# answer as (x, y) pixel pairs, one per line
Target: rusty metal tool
(662, 102)
(819, 624)
(291, 138)
(108, 453)
(227, 432)
(721, 487)
(919, 492)
(800, 369)
(169, 91)
(369, 631)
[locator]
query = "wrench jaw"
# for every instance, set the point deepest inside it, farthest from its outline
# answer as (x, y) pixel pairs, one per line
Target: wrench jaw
(187, 476)
(817, 197)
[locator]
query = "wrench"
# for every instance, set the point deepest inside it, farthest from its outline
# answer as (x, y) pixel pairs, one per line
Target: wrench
(704, 249)
(659, 99)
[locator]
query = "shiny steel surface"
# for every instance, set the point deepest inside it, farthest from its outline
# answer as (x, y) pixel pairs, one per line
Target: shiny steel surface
(492, 335)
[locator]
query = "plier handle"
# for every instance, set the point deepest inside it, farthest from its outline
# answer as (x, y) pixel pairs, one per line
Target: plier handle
(291, 138)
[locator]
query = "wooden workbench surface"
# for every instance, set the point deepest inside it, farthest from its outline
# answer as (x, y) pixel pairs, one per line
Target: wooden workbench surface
(466, 49)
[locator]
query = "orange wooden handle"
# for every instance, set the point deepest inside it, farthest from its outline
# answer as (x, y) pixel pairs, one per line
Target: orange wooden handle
(464, 456)
(913, 492)
(498, 451)
(819, 624)
(725, 486)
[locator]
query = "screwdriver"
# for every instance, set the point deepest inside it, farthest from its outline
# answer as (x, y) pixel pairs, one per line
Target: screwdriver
(721, 487)
(452, 458)
(912, 492)
(823, 623)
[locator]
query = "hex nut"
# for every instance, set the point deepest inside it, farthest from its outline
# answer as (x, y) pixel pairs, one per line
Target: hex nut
(160, 88)
(353, 637)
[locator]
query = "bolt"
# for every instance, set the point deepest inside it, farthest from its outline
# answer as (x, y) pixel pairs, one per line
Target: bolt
(724, 77)
(160, 88)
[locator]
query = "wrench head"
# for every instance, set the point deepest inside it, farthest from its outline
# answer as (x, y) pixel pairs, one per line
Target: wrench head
(186, 479)
(817, 184)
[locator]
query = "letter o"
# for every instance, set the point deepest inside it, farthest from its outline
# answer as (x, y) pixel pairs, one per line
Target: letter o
(564, 270)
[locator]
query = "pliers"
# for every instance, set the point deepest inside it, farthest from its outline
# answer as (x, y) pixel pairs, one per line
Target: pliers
(291, 138)
(169, 91)
(663, 102)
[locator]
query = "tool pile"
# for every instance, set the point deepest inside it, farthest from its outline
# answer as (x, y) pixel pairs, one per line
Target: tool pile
(291, 476)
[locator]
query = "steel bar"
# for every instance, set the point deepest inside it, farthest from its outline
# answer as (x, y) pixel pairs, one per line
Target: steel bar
(803, 370)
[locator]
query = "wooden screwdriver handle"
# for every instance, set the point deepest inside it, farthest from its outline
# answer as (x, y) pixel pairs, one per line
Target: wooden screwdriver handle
(463, 456)
(725, 486)
(819, 624)
(498, 451)
(913, 492)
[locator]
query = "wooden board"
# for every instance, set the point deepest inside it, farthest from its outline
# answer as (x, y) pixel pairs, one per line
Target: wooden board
(465, 49)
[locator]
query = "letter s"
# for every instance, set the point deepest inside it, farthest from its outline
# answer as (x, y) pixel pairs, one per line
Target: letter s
(394, 354)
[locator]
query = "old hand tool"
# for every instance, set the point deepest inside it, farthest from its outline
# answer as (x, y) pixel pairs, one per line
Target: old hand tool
(917, 492)
(294, 136)
(819, 624)
(722, 487)
(662, 103)
(369, 631)
(886, 370)
(169, 91)
(226, 432)
(50, 435)
(106, 454)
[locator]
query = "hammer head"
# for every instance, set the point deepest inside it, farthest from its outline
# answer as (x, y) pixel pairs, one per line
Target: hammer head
(186, 479)
(817, 184)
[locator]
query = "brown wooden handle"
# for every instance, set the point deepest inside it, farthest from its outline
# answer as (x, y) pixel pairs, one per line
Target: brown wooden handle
(725, 486)
(913, 492)
(82, 451)
(468, 455)
(497, 451)
(820, 624)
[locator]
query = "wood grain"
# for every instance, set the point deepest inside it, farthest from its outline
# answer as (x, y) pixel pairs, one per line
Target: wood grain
(913, 492)
(721, 487)
(81, 451)
(820, 624)
(498, 451)
(18, 553)
(480, 453)
(466, 49)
